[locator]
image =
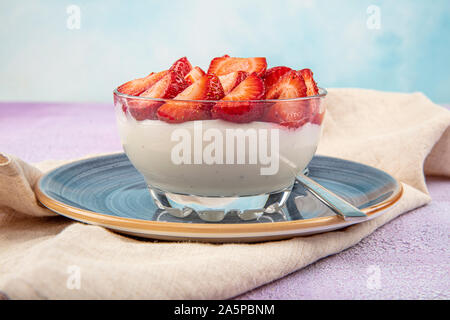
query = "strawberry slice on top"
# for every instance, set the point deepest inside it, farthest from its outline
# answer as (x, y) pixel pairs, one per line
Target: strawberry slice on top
(273, 75)
(292, 114)
(182, 67)
(290, 85)
(311, 85)
(316, 117)
(289, 114)
(166, 88)
(207, 87)
(229, 91)
(193, 75)
(224, 65)
(231, 80)
(252, 88)
(137, 86)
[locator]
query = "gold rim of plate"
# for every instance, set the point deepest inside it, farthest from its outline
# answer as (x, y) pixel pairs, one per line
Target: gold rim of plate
(171, 230)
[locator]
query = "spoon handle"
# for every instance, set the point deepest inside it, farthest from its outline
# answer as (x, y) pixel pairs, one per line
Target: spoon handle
(341, 207)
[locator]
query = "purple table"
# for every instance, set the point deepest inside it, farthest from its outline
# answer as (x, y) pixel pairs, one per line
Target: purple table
(406, 259)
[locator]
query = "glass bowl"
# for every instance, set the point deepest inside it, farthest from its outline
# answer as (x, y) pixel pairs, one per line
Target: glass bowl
(216, 157)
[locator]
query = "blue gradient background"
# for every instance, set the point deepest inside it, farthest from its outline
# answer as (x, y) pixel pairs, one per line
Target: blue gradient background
(41, 59)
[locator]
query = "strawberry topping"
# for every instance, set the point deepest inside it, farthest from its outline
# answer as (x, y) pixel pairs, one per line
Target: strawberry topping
(231, 80)
(252, 88)
(273, 75)
(137, 86)
(207, 87)
(182, 67)
(311, 86)
(224, 65)
(195, 74)
(230, 91)
(166, 88)
(289, 114)
(290, 85)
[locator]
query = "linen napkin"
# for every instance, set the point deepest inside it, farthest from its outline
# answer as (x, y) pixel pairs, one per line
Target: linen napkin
(46, 256)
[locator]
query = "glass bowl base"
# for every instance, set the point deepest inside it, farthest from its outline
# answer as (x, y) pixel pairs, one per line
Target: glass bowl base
(214, 209)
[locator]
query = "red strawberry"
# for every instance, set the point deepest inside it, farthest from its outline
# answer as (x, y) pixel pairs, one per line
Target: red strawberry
(143, 109)
(315, 114)
(182, 66)
(311, 85)
(177, 112)
(224, 65)
(252, 88)
(312, 90)
(273, 75)
(207, 87)
(137, 86)
(166, 88)
(292, 114)
(231, 80)
(290, 85)
(195, 74)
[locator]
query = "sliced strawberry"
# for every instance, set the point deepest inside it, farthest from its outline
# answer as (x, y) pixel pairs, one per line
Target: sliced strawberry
(314, 104)
(252, 88)
(143, 109)
(182, 66)
(195, 74)
(207, 87)
(292, 114)
(166, 88)
(231, 80)
(290, 85)
(311, 85)
(177, 112)
(239, 112)
(137, 86)
(273, 75)
(224, 65)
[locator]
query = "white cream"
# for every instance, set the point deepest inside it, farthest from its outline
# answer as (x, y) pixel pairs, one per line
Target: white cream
(149, 144)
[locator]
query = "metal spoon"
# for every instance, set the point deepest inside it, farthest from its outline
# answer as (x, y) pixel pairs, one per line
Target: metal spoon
(341, 207)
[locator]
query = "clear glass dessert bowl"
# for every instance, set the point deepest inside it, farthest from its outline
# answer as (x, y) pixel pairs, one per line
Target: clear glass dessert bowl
(212, 165)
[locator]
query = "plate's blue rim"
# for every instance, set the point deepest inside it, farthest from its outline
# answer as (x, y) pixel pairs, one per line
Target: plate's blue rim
(139, 225)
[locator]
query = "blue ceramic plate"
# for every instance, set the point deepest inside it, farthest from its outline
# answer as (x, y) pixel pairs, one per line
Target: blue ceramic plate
(108, 191)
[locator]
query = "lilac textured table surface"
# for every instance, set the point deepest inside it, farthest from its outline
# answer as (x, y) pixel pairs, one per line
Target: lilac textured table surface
(405, 259)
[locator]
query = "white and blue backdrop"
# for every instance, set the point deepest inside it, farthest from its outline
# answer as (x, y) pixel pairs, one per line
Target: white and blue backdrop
(80, 50)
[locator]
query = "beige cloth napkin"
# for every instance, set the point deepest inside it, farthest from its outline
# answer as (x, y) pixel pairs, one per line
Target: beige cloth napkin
(47, 256)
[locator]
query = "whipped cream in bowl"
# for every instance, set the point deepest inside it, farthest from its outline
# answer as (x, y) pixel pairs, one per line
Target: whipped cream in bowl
(216, 166)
